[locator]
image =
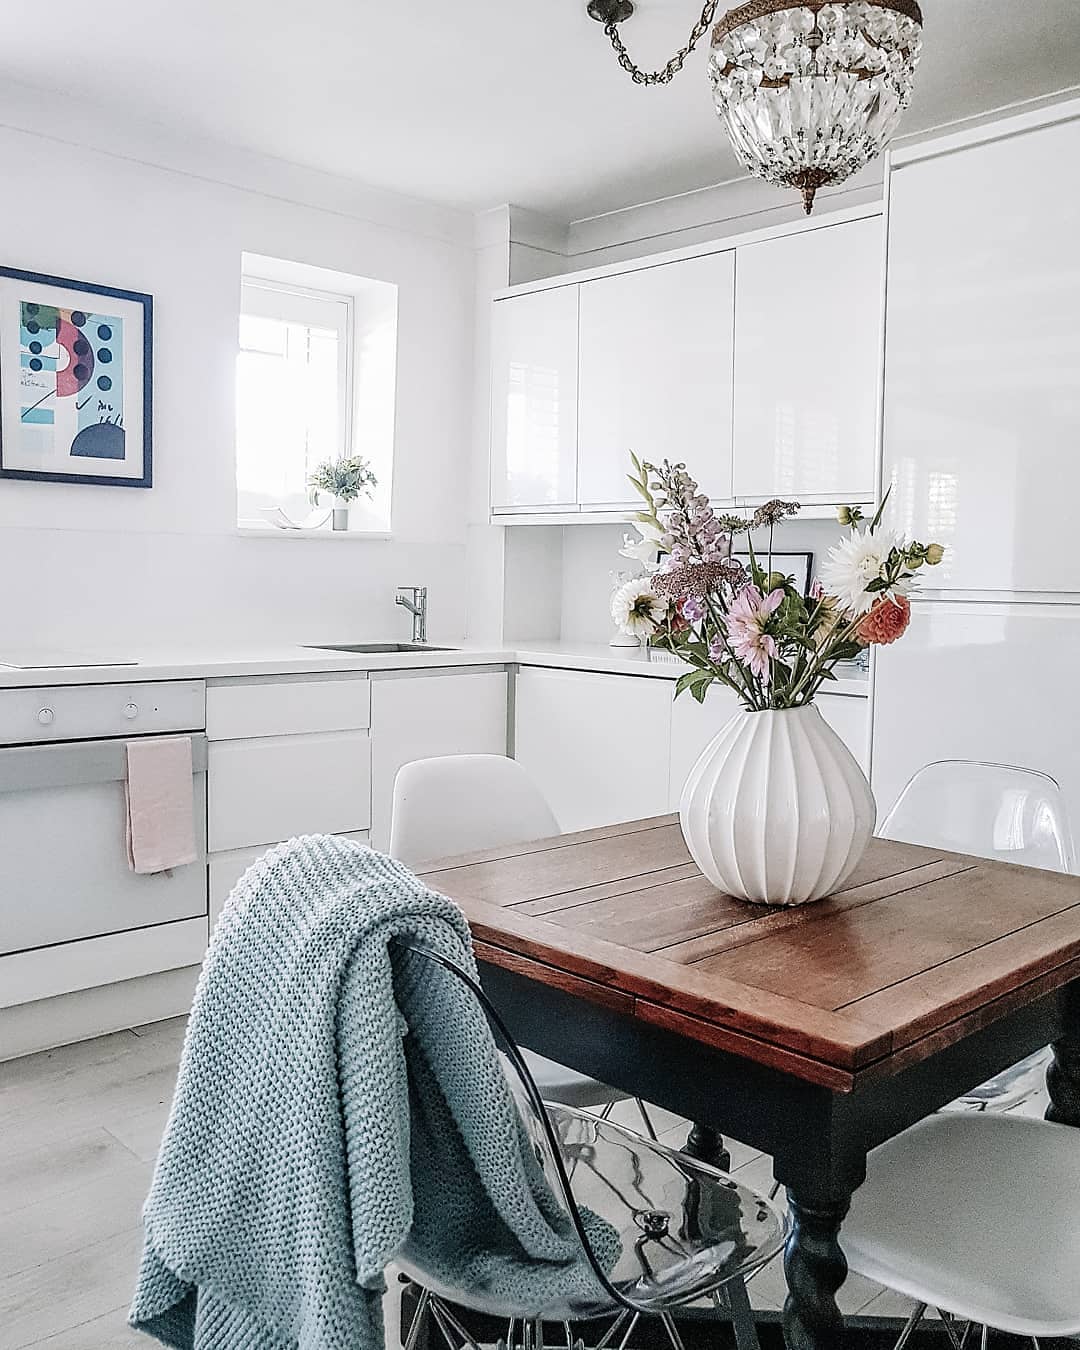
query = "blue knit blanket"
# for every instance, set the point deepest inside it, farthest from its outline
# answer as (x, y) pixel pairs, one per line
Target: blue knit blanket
(340, 1101)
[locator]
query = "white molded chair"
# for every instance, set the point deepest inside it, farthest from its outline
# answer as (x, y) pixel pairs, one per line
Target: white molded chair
(992, 811)
(461, 804)
(979, 1217)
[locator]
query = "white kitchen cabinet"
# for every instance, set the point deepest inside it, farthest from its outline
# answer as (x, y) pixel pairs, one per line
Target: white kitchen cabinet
(597, 745)
(966, 683)
(807, 358)
(693, 726)
(534, 394)
(655, 375)
(982, 373)
(418, 716)
(270, 788)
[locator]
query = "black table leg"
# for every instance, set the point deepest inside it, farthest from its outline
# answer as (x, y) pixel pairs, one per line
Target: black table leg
(816, 1267)
(1063, 1075)
(707, 1144)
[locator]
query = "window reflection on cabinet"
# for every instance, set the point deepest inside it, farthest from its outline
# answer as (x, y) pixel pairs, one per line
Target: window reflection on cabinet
(807, 356)
(534, 401)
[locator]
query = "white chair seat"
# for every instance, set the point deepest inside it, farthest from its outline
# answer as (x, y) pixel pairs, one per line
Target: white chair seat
(976, 1215)
(567, 1087)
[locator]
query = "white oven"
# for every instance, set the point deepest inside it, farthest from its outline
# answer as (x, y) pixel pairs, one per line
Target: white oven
(72, 913)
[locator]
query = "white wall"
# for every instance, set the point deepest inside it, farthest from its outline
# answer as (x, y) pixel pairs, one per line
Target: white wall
(114, 567)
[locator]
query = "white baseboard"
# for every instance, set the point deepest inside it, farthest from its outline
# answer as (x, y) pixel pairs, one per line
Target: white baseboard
(49, 1022)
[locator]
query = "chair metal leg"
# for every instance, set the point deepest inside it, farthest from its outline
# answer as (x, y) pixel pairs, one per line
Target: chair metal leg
(417, 1320)
(672, 1331)
(742, 1315)
(917, 1315)
(985, 1338)
(955, 1341)
(612, 1331)
(649, 1130)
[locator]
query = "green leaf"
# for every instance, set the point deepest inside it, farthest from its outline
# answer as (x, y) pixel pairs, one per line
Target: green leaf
(880, 511)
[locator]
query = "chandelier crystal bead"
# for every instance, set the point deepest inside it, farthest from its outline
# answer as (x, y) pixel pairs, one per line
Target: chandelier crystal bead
(811, 93)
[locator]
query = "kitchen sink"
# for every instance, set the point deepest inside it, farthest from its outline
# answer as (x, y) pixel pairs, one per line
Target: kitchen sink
(373, 648)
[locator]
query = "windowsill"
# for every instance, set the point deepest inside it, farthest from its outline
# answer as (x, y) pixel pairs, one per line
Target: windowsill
(338, 536)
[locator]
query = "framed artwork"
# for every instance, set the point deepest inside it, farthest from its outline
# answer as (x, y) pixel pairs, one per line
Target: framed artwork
(797, 565)
(75, 381)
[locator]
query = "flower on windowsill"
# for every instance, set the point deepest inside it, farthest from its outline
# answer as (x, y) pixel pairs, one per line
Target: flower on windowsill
(637, 609)
(886, 621)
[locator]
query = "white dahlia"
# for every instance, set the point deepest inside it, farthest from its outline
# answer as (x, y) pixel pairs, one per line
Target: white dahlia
(637, 609)
(856, 561)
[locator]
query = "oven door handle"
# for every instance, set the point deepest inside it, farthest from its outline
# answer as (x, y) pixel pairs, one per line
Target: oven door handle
(77, 763)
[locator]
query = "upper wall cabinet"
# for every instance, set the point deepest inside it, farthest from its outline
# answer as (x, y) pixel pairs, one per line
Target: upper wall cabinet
(807, 360)
(982, 370)
(534, 401)
(655, 375)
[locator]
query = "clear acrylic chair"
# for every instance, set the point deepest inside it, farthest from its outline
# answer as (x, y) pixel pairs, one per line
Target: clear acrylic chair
(458, 804)
(992, 811)
(977, 1216)
(685, 1230)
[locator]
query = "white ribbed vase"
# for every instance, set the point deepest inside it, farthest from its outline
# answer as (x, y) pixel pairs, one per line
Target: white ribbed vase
(776, 810)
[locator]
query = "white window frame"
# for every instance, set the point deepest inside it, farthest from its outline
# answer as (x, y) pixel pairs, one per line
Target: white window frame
(303, 304)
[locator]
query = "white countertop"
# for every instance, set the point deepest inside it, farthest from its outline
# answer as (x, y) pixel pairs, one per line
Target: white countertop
(223, 662)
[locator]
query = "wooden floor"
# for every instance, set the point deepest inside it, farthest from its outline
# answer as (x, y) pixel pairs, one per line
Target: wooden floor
(80, 1128)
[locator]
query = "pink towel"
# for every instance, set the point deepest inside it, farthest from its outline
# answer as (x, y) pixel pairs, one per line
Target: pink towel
(160, 804)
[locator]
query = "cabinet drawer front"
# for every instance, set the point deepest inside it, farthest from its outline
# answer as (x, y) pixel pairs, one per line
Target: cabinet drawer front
(265, 790)
(286, 707)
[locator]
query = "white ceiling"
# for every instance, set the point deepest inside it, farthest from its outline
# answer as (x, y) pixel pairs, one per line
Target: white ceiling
(484, 101)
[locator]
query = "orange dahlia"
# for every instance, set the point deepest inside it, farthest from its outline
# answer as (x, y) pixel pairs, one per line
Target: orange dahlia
(885, 622)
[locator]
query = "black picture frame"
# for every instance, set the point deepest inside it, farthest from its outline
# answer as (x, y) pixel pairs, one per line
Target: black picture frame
(797, 565)
(145, 386)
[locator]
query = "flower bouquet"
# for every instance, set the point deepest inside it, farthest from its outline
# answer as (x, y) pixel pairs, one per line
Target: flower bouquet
(776, 810)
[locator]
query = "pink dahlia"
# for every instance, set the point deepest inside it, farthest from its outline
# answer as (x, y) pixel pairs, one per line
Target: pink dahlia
(745, 622)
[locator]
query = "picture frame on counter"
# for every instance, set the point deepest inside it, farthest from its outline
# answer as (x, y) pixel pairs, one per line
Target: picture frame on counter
(76, 381)
(797, 565)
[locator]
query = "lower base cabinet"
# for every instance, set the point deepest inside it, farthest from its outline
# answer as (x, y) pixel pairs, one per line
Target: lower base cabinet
(418, 715)
(597, 745)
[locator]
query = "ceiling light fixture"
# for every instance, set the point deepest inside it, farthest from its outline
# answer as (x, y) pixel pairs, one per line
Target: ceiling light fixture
(810, 93)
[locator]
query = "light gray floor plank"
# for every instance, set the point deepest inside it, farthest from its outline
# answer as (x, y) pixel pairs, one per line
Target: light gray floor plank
(108, 1332)
(33, 1173)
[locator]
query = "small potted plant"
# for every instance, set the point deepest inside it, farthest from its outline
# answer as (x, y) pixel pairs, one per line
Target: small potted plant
(344, 479)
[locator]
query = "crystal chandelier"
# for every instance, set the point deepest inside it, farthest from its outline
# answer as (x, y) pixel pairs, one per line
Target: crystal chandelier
(810, 93)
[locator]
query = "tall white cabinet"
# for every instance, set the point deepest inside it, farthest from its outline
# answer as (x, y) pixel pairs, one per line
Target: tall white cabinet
(982, 374)
(807, 358)
(655, 375)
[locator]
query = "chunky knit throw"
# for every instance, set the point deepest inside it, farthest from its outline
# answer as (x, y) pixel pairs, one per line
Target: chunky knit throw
(340, 1101)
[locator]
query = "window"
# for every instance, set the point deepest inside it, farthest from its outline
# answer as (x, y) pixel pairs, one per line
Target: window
(301, 398)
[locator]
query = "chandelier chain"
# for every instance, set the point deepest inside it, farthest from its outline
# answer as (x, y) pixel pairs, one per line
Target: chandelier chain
(668, 72)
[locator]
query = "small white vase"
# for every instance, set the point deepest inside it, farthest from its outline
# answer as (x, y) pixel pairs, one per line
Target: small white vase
(776, 810)
(341, 515)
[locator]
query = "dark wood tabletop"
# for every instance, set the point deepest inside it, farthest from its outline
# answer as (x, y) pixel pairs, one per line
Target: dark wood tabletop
(814, 1033)
(917, 950)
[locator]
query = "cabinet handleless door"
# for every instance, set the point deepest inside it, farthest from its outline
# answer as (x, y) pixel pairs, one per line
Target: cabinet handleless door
(656, 375)
(597, 745)
(414, 716)
(982, 371)
(534, 391)
(807, 358)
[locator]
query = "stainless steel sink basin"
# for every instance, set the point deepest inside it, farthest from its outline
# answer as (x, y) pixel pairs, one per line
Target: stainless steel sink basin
(374, 648)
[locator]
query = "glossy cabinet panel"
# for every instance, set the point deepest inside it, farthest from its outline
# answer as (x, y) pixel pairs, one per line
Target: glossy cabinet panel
(807, 358)
(461, 712)
(982, 681)
(534, 352)
(656, 375)
(597, 745)
(982, 374)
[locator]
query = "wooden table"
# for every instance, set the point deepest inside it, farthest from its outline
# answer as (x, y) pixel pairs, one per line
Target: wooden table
(813, 1034)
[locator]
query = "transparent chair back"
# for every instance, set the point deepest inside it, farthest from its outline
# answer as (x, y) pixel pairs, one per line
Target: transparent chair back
(657, 1229)
(995, 811)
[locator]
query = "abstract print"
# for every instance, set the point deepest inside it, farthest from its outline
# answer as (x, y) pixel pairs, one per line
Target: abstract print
(71, 383)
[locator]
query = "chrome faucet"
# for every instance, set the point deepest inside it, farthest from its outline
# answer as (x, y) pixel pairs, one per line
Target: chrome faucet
(417, 607)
